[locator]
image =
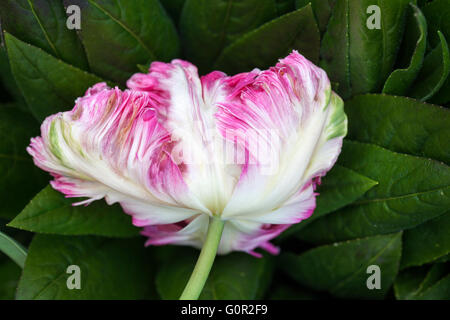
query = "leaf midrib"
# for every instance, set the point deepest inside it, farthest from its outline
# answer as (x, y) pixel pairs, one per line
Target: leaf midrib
(369, 262)
(409, 195)
(125, 27)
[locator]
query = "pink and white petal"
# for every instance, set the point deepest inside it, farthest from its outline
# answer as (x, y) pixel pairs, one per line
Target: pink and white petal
(111, 145)
(288, 112)
(188, 233)
(246, 236)
(189, 116)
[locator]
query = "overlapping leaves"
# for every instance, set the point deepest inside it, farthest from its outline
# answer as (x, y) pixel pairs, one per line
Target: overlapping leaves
(386, 201)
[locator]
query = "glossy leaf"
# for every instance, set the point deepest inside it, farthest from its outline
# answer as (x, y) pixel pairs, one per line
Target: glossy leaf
(415, 42)
(13, 249)
(50, 212)
(119, 34)
(341, 268)
(340, 187)
(233, 276)
(209, 26)
(357, 57)
(42, 23)
(263, 47)
(411, 191)
(109, 269)
(48, 84)
(427, 242)
(400, 124)
(421, 283)
(435, 70)
(20, 179)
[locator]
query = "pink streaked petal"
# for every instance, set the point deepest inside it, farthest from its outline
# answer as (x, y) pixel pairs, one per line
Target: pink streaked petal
(188, 232)
(290, 114)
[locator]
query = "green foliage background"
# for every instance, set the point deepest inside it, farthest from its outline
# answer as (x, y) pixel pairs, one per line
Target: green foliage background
(386, 202)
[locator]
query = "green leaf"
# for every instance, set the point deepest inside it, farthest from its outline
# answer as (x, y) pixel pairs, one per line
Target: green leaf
(261, 48)
(427, 242)
(9, 277)
(20, 179)
(48, 84)
(13, 249)
(411, 191)
(340, 187)
(400, 124)
(42, 23)
(420, 283)
(322, 11)
(234, 276)
(341, 268)
(415, 42)
(209, 26)
(440, 291)
(50, 212)
(109, 269)
(119, 34)
(437, 13)
(435, 71)
(357, 57)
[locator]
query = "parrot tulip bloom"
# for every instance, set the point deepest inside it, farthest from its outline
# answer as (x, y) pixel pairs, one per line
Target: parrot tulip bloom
(176, 149)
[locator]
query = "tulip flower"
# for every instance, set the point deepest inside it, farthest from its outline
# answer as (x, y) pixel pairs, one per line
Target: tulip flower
(222, 163)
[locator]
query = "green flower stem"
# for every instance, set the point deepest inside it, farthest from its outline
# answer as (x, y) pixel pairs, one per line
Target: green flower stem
(205, 261)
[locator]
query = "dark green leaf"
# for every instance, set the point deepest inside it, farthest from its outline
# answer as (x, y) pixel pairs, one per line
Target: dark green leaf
(234, 276)
(439, 291)
(209, 26)
(48, 84)
(419, 283)
(263, 47)
(50, 212)
(110, 269)
(427, 242)
(357, 57)
(42, 23)
(415, 42)
(9, 277)
(13, 249)
(322, 11)
(400, 124)
(20, 179)
(341, 268)
(437, 13)
(411, 191)
(435, 71)
(340, 187)
(119, 34)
